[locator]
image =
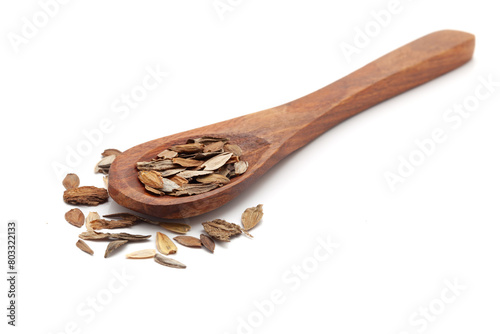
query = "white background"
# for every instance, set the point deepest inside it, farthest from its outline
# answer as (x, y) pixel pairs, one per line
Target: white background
(397, 249)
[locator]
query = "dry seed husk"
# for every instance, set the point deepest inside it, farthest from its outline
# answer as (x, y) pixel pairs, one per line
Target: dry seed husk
(240, 167)
(71, 181)
(176, 227)
(179, 180)
(87, 195)
(252, 217)
(193, 173)
(158, 165)
(104, 164)
(214, 147)
(207, 140)
(187, 148)
(233, 148)
(151, 178)
(169, 185)
(75, 217)
(131, 217)
(113, 245)
(141, 254)
(164, 244)
(217, 161)
(167, 154)
(154, 191)
(222, 230)
(193, 189)
(170, 172)
(100, 224)
(90, 218)
(84, 247)
(105, 179)
(188, 241)
(111, 151)
(91, 235)
(165, 261)
(213, 178)
(187, 162)
(207, 242)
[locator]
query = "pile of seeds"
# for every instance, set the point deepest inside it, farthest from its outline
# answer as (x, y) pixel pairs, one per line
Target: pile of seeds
(217, 229)
(200, 165)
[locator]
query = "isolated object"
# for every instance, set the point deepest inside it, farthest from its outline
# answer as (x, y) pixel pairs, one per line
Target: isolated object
(268, 136)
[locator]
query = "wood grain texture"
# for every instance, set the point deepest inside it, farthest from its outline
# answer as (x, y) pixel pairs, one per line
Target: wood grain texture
(268, 136)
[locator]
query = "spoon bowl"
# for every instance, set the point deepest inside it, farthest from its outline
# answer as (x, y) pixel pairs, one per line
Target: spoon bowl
(268, 136)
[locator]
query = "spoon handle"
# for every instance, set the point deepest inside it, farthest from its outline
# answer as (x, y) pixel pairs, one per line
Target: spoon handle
(298, 122)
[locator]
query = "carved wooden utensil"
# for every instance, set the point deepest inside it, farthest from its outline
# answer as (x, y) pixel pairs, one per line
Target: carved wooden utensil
(268, 136)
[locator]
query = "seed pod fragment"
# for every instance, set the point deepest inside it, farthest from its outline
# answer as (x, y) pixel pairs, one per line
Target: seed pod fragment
(222, 230)
(87, 195)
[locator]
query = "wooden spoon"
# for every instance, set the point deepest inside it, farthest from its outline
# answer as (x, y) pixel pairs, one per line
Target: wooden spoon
(268, 136)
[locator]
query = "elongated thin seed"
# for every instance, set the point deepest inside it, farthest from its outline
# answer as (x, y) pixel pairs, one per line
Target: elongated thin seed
(113, 245)
(165, 261)
(84, 247)
(141, 254)
(176, 227)
(164, 244)
(188, 241)
(207, 242)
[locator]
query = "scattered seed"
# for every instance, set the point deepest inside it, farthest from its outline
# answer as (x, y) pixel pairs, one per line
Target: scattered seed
(176, 227)
(141, 254)
(163, 260)
(252, 217)
(207, 242)
(75, 217)
(87, 195)
(113, 245)
(188, 241)
(71, 181)
(222, 230)
(164, 244)
(84, 247)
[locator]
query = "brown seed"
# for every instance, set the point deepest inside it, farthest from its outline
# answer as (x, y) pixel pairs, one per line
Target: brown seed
(152, 179)
(84, 247)
(141, 254)
(193, 189)
(158, 165)
(104, 164)
(167, 154)
(207, 242)
(179, 180)
(154, 191)
(113, 245)
(75, 217)
(71, 181)
(111, 151)
(163, 260)
(170, 172)
(187, 162)
(222, 230)
(164, 244)
(100, 224)
(87, 195)
(213, 178)
(233, 148)
(188, 241)
(176, 227)
(214, 147)
(193, 173)
(252, 217)
(187, 148)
